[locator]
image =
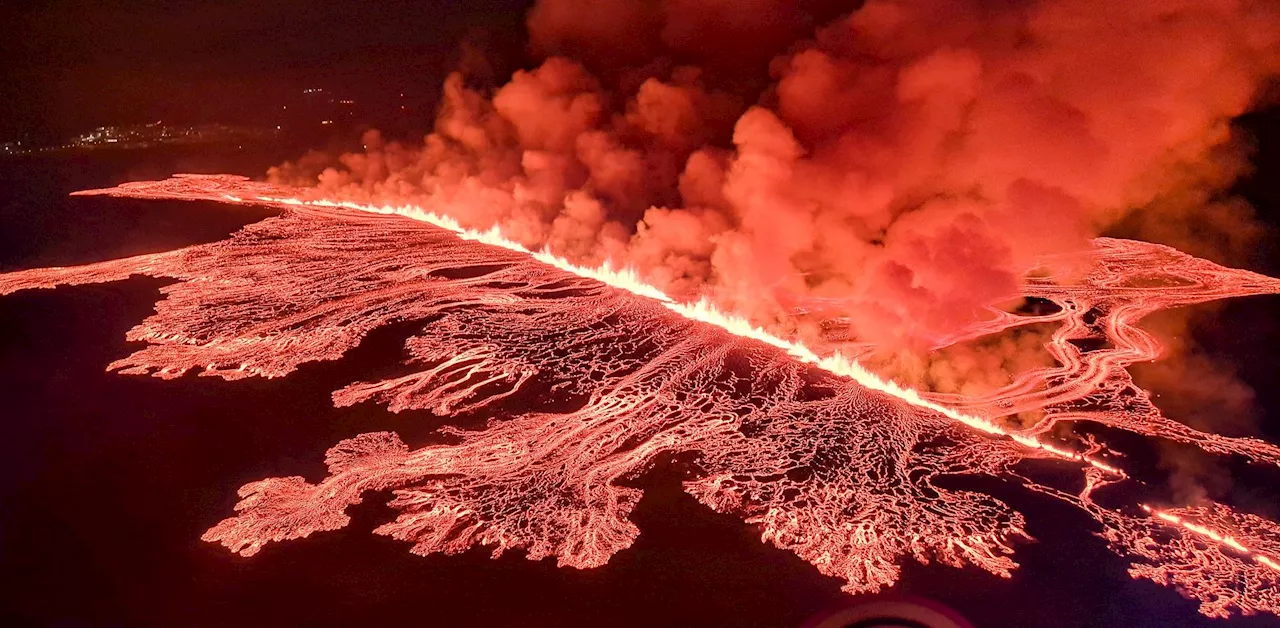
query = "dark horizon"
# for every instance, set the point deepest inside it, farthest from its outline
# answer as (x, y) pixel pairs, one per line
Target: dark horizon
(75, 65)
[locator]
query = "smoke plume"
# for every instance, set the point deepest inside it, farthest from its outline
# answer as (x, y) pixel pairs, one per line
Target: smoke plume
(901, 165)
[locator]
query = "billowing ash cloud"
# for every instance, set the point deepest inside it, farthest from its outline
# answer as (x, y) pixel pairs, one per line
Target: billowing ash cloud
(902, 164)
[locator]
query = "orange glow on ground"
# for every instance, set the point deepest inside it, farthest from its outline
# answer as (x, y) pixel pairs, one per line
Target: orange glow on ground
(829, 460)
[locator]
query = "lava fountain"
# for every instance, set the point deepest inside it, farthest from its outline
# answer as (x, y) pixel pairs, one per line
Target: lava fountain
(828, 460)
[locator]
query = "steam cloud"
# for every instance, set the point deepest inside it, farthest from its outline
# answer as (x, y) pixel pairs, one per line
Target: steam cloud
(901, 165)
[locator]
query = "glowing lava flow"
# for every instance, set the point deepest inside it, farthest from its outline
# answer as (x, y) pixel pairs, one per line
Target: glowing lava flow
(703, 311)
(1222, 558)
(828, 460)
(1215, 536)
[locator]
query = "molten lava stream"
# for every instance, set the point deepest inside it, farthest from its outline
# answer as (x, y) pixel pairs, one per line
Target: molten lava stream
(703, 311)
(830, 461)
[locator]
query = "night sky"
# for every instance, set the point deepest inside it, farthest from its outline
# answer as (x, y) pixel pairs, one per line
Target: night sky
(72, 65)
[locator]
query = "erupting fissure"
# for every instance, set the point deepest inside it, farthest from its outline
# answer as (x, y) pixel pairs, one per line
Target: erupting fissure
(831, 461)
(703, 311)
(1215, 536)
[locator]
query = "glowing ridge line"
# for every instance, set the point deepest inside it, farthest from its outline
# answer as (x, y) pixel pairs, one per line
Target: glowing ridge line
(1217, 537)
(703, 311)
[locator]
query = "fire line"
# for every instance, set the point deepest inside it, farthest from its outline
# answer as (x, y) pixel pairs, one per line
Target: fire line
(704, 311)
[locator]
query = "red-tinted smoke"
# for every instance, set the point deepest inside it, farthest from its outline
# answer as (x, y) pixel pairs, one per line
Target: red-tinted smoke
(902, 164)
